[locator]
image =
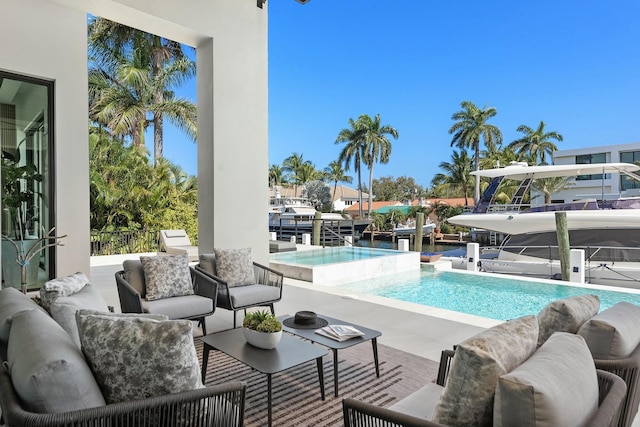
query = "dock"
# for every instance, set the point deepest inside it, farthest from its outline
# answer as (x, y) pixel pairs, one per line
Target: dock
(457, 239)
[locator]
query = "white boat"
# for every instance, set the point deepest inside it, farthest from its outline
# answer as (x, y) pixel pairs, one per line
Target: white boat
(403, 230)
(607, 230)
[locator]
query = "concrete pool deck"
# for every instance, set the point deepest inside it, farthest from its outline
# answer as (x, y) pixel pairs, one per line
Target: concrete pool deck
(423, 331)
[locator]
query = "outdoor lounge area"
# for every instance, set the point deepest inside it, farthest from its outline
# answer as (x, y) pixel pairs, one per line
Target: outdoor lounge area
(407, 363)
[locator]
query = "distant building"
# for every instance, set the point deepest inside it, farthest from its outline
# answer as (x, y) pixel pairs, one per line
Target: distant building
(345, 197)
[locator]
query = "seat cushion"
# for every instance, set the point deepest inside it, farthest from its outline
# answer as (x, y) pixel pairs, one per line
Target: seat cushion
(12, 302)
(134, 275)
(48, 370)
(63, 309)
(420, 403)
(244, 296)
(179, 307)
(135, 357)
(566, 315)
(467, 399)
(556, 386)
(166, 276)
(235, 266)
(614, 333)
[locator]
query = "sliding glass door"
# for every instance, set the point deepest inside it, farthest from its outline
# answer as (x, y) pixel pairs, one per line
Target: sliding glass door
(26, 143)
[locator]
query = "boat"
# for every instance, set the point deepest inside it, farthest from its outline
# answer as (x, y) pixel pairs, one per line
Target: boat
(403, 230)
(608, 230)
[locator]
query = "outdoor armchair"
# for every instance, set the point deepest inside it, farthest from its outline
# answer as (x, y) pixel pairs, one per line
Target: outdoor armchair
(132, 291)
(263, 292)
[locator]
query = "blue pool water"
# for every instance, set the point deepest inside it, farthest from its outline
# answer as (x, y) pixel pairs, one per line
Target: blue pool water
(329, 255)
(485, 296)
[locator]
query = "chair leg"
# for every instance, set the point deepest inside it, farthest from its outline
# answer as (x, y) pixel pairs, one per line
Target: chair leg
(204, 325)
(272, 310)
(234, 319)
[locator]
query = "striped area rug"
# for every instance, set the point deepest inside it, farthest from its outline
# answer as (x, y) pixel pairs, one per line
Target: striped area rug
(296, 392)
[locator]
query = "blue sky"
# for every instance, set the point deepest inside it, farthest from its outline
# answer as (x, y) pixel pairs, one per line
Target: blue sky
(574, 64)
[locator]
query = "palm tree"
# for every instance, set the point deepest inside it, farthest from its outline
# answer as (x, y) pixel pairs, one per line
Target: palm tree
(335, 173)
(276, 175)
(376, 148)
(133, 74)
(549, 186)
(470, 127)
(352, 153)
(294, 165)
(456, 178)
(536, 143)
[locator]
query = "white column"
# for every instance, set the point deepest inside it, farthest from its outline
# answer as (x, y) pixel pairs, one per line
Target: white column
(473, 255)
(576, 265)
(348, 240)
(272, 235)
(403, 245)
(306, 239)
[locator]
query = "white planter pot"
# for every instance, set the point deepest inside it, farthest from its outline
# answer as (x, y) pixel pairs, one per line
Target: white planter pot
(266, 340)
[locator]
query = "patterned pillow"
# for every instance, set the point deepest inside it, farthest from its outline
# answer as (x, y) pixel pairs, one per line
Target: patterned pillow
(467, 399)
(166, 276)
(566, 315)
(235, 266)
(135, 357)
(62, 287)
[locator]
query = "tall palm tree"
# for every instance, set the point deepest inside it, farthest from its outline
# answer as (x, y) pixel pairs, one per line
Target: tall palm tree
(551, 185)
(469, 128)
(536, 144)
(133, 74)
(276, 175)
(352, 153)
(336, 173)
(294, 165)
(376, 147)
(456, 178)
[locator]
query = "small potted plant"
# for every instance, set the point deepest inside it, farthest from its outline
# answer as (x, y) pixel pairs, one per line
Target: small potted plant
(262, 329)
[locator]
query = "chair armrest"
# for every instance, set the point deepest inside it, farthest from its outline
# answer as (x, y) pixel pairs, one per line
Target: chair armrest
(130, 301)
(217, 405)
(267, 276)
(222, 285)
(203, 285)
(612, 391)
(446, 357)
(360, 414)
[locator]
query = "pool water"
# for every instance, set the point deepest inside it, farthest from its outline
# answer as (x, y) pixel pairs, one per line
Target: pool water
(485, 296)
(330, 255)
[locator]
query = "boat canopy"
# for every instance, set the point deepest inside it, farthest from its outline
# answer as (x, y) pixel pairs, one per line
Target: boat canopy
(520, 171)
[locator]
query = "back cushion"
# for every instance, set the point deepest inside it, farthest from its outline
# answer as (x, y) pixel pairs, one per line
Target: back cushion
(208, 263)
(614, 333)
(12, 302)
(134, 274)
(566, 315)
(63, 309)
(550, 389)
(48, 371)
(467, 399)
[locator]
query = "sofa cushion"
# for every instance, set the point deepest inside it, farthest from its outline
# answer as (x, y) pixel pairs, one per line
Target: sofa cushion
(47, 369)
(12, 302)
(134, 275)
(566, 315)
(556, 386)
(614, 333)
(242, 296)
(467, 399)
(135, 357)
(63, 309)
(60, 287)
(179, 307)
(235, 266)
(166, 276)
(420, 403)
(208, 263)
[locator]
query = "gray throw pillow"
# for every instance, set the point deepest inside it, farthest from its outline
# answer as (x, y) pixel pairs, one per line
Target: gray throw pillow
(614, 333)
(556, 386)
(167, 276)
(135, 357)
(63, 309)
(12, 302)
(48, 371)
(235, 266)
(566, 315)
(467, 399)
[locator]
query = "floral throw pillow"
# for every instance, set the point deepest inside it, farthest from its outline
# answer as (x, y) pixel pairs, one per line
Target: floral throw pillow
(166, 276)
(135, 357)
(235, 266)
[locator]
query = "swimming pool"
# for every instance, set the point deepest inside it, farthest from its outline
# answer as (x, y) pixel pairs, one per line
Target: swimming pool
(330, 255)
(479, 294)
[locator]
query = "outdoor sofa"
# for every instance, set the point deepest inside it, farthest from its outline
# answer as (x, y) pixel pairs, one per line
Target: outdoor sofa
(49, 380)
(551, 358)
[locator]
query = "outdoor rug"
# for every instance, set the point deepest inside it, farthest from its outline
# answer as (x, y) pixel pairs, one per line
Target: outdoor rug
(296, 392)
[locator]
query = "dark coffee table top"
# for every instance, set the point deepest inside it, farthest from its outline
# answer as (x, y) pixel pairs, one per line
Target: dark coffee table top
(289, 352)
(311, 335)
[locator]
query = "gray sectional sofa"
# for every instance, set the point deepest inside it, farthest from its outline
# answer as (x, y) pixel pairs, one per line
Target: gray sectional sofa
(569, 365)
(48, 380)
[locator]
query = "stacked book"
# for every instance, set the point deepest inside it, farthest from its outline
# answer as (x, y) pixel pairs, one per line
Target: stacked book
(339, 332)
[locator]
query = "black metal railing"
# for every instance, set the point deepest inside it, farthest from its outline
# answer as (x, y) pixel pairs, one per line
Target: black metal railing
(124, 242)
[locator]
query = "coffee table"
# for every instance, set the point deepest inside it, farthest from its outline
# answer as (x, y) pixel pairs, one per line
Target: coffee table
(309, 334)
(290, 352)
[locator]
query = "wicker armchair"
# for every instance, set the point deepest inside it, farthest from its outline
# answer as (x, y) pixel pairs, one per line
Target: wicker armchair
(221, 405)
(359, 414)
(266, 291)
(629, 370)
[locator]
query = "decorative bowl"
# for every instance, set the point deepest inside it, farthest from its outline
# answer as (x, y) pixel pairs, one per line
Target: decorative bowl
(265, 340)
